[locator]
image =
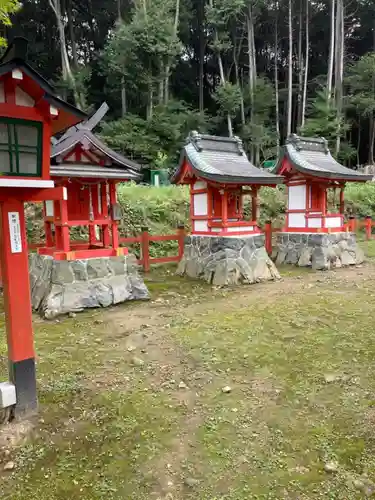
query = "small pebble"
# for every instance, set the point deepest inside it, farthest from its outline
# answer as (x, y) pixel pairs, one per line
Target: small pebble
(331, 467)
(226, 389)
(72, 315)
(191, 482)
(9, 466)
(182, 385)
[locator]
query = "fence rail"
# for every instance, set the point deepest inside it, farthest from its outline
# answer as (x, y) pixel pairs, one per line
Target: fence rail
(144, 240)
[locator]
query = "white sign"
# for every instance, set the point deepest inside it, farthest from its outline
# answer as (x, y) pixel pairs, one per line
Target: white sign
(15, 232)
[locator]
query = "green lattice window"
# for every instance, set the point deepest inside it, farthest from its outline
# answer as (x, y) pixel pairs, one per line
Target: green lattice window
(20, 147)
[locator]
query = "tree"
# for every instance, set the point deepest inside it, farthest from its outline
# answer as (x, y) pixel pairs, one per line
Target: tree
(290, 69)
(7, 8)
(361, 83)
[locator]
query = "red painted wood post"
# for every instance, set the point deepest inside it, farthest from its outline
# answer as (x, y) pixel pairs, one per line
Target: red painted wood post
(268, 235)
(368, 227)
(145, 247)
(352, 224)
(181, 241)
(17, 304)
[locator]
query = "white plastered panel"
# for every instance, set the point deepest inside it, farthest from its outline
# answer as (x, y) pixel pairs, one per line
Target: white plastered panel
(200, 185)
(315, 222)
(297, 220)
(200, 204)
(333, 222)
(297, 197)
(200, 225)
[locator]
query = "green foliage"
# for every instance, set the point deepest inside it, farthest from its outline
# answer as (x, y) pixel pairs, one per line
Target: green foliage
(228, 96)
(163, 134)
(322, 120)
(361, 82)
(7, 8)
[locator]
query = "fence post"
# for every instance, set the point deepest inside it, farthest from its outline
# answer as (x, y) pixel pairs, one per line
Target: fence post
(352, 225)
(145, 246)
(268, 236)
(181, 241)
(368, 227)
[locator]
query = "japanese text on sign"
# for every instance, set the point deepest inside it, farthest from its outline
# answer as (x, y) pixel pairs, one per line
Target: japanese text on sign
(15, 232)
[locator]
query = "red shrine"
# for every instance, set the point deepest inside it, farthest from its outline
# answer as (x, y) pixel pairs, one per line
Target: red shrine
(310, 171)
(90, 171)
(220, 174)
(30, 113)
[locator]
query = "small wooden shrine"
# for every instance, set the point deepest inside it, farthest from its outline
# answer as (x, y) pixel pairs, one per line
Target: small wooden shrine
(220, 175)
(90, 171)
(310, 171)
(314, 233)
(223, 248)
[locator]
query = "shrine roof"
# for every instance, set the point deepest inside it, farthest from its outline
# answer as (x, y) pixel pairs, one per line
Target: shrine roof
(15, 58)
(311, 156)
(93, 171)
(84, 136)
(222, 160)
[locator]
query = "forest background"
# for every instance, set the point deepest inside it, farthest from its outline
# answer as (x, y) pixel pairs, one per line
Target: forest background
(259, 69)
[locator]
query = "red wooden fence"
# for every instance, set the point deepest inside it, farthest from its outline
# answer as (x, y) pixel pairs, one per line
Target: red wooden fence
(144, 240)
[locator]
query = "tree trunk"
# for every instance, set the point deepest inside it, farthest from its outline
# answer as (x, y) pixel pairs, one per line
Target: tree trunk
(123, 98)
(72, 34)
(290, 71)
(242, 105)
(331, 52)
(277, 111)
(222, 79)
(252, 70)
(372, 141)
(339, 68)
(119, 14)
(202, 50)
(300, 69)
(359, 140)
(168, 67)
(307, 60)
(66, 69)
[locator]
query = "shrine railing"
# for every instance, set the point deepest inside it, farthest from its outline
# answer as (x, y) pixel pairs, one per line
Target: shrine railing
(145, 239)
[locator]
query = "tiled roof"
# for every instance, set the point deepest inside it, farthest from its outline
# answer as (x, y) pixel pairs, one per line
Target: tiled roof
(222, 159)
(312, 156)
(122, 168)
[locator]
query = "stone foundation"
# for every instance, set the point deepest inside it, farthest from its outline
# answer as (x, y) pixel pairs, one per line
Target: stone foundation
(60, 287)
(227, 260)
(321, 251)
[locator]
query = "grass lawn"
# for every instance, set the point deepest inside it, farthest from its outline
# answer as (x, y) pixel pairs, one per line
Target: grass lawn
(264, 392)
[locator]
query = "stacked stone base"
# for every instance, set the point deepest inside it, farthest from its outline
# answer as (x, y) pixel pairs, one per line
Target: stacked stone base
(61, 287)
(321, 251)
(227, 260)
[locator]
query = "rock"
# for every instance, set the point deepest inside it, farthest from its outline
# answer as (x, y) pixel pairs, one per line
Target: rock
(305, 258)
(72, 315)
(182, 385)
(9, 466)
(321, 251)
(227, 261)
(347, 259)
(63, 287)
(226, 390)
(131, 348)
(191, 482)
(332, 377)
(331, 467)
(137, 361)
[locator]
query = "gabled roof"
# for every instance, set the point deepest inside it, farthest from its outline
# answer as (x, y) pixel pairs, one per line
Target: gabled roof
(121, 168)
(15, 58)
(222, 160)
(311, 156)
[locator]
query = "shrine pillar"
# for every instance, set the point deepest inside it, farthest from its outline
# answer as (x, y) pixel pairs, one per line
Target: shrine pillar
(17, 304)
